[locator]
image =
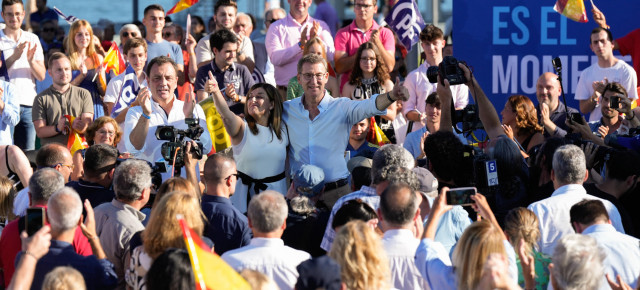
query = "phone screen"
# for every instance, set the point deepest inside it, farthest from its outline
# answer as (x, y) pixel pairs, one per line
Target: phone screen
(34, 220)
(460, 196)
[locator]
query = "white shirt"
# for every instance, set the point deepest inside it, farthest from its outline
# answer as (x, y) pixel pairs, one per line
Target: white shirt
(21, 202)
(621, 73)
(400, 246)
(20, 72)
(553, 214)
(204, 53)
(270, 257)
(623, 253)
(420, 88)
(151, 151)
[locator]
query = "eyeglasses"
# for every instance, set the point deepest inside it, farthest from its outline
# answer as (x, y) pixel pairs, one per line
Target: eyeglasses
(70, 166)
(367, 59)
(167, 34)
(108, 133)
(318, 76)
(234, 174)
(127, 34)
(49, 30)
(258, 98)
(365, 6)
(272, 20)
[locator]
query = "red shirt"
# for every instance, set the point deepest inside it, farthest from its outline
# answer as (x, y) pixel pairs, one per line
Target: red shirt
(11, 244)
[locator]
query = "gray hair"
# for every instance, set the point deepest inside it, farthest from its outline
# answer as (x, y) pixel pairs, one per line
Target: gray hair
(569, 165)
(390, 155)
(311, 59)
(400, 175)
(267, 211)
(130, 27)
(64, 209)
(270, 11)
(43, 183)
(131, 178)
(577, 261)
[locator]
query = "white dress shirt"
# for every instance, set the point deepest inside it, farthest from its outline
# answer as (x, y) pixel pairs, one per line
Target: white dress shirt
(553, 214)
(270, 257)
(151, 151)
(400, 246)
(623, 253)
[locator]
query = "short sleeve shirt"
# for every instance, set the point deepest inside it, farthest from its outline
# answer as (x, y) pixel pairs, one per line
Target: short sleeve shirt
(237, 74)
(50, 105)
(20, 72)
(164, 48)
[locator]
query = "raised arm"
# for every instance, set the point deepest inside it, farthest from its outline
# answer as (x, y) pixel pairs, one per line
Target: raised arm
(488, 115)
(232, 123)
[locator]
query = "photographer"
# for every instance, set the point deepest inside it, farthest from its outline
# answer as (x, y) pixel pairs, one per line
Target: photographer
(611, 122)
(160, 107)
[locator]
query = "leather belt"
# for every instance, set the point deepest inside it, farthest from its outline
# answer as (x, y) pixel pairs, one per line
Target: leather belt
(335, 184)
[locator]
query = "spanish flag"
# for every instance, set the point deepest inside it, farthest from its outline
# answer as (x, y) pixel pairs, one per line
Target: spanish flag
(181, 5)
(209, 270)
(572, 9)
(76, 141)
(113, 60)
(375, 135)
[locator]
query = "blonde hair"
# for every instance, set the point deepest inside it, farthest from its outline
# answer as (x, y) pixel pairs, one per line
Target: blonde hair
(258, 281)
(174, 184)
(522, 224)
(71, 48)
(478, 241)
(63, 278)
(7, 195)
(163, 230)
(358, 251)
(313, 41)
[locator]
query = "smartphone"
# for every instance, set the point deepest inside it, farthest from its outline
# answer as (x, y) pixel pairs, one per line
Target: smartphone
(576, 118)
(461, 195)
(614, 102)
(34, 220)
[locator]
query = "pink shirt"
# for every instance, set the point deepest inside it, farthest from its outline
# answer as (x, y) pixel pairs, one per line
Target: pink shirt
(282, 45)
(349, 39)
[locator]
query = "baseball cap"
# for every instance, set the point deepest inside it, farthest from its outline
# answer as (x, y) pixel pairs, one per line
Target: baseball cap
(358, 161)
(309, 180)
(321, 272)
(428, 182)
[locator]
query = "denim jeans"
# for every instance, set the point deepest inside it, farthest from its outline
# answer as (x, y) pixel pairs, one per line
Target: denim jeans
(24, 134)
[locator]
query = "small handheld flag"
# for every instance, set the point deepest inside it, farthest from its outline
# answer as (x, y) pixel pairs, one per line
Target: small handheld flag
(405, 19)
(76, 141)
(128, 93)
(572, 9)
(113, 60)
(181, 5)
(70, 19)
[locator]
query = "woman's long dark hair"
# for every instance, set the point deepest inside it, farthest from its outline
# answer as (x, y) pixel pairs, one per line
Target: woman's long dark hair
(275, 116)
(380, 71)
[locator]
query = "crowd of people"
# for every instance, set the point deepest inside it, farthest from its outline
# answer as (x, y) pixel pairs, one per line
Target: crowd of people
(340, 169)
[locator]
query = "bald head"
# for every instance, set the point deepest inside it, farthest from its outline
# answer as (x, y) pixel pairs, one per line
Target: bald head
(273, 14)
(398, 204)
(548, 90)
(217, 168)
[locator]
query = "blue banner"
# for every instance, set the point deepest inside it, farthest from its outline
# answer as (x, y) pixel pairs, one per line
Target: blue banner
(128, 93)
(510, 43)
(405, 19)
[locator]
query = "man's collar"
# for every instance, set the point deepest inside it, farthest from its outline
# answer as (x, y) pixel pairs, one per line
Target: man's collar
(215, 67)
(354, 27)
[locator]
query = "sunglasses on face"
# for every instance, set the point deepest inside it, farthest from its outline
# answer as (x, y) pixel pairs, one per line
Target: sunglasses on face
(127, 34)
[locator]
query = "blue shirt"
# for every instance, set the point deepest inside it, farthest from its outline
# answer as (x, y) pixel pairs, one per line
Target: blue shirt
(10, 116)
(228, 228)
(366, 150)
(95, 193)
(97, 274)
(163, 48)
(237, 74)
(622, 253)
(451, 226)
(412, 141)
(321, 141)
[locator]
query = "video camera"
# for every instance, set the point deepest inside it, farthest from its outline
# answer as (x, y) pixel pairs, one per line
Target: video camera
(449, 70)
(469, 117)
(177, 144)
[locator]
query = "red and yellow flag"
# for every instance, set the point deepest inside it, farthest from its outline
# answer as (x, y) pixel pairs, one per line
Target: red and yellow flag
(375, 135)
(220, 137)
(181, 5)
(572, 9)
(113, 60)
(76, 141)
(209, 270)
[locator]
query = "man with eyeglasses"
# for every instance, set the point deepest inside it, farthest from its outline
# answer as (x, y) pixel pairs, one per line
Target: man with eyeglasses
(228, 228)
(286, 39)
(319, 124)
(224, 14)
(362, 29)
(99, 166)
(270, 17)
(24, 60)
(61, 99)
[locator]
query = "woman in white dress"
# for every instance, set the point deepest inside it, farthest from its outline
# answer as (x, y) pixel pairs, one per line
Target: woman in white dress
(259, 141)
